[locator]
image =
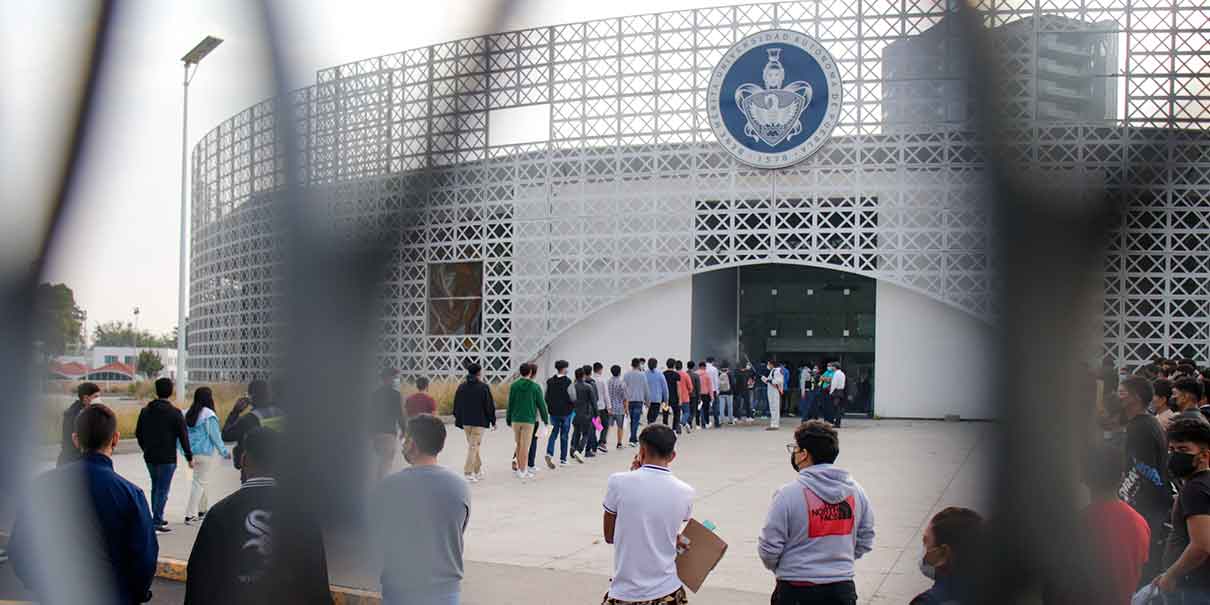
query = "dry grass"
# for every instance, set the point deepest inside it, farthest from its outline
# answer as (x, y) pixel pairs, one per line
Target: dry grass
(225, 396)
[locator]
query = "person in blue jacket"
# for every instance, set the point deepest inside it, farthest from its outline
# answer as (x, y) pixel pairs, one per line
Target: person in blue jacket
(86, 520)
(206, 441)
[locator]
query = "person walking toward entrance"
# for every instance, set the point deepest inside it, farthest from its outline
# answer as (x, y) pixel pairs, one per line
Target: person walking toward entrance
(601, 382)
(637, 395)
(709, 407)
(695, 393)
(386, 417)
(206, 441)
(840, 398)
(673, 381)
(685, 393)
(657, 390)
(558, 402)
(525, 403)
(586, 409)
(617, 401)
(474, 412)
(159, 429)
(725, 398)
(775, 386)
(742, 388)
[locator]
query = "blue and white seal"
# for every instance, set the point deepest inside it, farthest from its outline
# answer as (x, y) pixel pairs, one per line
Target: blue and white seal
(774, 98)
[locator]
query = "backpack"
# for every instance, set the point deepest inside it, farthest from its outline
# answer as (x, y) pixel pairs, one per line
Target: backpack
(724, 382)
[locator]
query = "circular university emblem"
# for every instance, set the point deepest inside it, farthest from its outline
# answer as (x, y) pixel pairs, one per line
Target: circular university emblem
(774, 98)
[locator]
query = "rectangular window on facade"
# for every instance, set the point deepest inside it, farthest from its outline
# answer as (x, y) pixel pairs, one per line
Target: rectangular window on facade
(455, 299)
(128, 360)
(111, 359)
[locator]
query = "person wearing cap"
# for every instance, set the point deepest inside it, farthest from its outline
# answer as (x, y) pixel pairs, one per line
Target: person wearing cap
(386, 416)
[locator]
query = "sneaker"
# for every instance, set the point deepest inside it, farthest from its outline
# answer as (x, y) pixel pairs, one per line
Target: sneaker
(533, 470)
(190, 520)
(771, 428)
(471, 478)
(619, 445)
(481, 475)
(562, 463)
(578, 457)
(520, 474)
(201, 515)
(514, 465)
(634, 444)
(530, 474)
(604, 449)
(163, 529)
(550, 461)
(591, 454)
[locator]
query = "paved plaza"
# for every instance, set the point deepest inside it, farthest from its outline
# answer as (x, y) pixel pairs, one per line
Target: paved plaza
(542, 539)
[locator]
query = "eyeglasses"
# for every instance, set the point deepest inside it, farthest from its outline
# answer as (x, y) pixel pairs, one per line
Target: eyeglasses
(792, 448)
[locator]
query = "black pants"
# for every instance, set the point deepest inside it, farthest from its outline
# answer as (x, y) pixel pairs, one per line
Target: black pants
(676, 417)
(837, 593)
(839, 401)
(603, 438)
(533, 446)
(581, 429)
(653, 412)
(704, 411)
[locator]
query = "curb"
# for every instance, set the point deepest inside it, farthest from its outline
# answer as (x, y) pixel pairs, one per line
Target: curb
(175, 570)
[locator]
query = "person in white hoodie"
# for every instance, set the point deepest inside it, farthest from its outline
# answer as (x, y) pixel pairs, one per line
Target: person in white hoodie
(818, 524)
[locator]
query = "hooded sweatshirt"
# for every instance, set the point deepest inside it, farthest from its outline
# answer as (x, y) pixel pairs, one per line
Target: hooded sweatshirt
(818, 525)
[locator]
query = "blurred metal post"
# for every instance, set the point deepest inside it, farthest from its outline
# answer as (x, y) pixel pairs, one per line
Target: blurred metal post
(193, 57)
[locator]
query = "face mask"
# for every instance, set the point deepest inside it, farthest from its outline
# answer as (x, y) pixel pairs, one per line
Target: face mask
(794, 463)
(1173, 406)
(1182, 464)
(926, 568)
(395, 383)
(406, 456)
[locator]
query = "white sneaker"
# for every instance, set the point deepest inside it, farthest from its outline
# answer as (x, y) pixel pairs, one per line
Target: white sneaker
(529, 475)
(481, 475)
(471, 478)
(579, 458)
(521, 474)
(533, 470)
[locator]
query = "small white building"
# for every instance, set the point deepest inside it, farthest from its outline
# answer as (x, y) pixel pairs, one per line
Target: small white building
(101, 356)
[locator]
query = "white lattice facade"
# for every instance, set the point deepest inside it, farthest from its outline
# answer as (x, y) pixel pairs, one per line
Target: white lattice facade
(631, 189)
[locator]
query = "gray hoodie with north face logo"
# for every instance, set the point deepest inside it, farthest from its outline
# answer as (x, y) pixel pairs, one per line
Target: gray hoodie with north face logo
(817, 526)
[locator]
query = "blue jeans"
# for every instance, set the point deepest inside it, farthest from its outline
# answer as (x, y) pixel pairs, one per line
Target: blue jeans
(636, 416)
(762, 402)
(726, 407)
(743, 405)
(559, 427)
(161, 480)
(806, 406)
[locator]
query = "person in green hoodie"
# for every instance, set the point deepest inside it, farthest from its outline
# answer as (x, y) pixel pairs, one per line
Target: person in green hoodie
(525, 401)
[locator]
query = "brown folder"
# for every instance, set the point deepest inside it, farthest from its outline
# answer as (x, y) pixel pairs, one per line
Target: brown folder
(706, 549)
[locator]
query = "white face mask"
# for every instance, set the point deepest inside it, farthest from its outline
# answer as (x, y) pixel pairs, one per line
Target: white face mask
(395, 383)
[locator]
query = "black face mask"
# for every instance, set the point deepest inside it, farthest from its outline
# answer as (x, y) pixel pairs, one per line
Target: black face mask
(1182, 464)
(1172, 405)
(794, 463)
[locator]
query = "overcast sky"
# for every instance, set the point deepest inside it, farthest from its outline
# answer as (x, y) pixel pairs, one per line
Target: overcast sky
(118, 248)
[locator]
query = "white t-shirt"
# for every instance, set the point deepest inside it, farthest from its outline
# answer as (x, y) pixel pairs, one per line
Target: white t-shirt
(837, 381)
(651, 505)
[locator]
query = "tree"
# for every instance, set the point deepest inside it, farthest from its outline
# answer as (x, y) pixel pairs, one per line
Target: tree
(59, 322)
(149, 364)
(122, 334)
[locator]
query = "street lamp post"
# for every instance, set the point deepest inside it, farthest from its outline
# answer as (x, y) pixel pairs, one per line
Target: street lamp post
(192, 58)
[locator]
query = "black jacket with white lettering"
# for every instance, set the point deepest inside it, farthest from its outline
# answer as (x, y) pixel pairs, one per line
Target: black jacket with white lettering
(236, 560)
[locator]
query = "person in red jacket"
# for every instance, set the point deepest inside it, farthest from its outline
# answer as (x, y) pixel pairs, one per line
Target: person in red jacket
(1120, 537)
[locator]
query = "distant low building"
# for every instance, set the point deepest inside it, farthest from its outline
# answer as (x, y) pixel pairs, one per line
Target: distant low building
(109, 364)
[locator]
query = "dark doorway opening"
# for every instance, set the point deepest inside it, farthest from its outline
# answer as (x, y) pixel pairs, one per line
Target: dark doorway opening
(800, 315)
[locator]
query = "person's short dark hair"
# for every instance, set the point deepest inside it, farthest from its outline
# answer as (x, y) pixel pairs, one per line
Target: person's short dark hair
(819, 439)
(579, 373)
(680, 365)
(1162, 387)
(670, 364)
(422, 383)
(635, 362)
(659, 439)
(724, 364)
(652, 363)
(260, 446)
(1191, 386)
(87, 389)
(95, 426)
(690, 364)
(163, 388)
(587, 369)
(1103, 469)
(597, 366)
(1140, 387)
(388, 373)
(428, 433)
(615, 369)
(561, 365)
(523, 370)
(258, 391)
(1189, 430)
(473, 369)
(1186, 369)
(959, 529)
(709, 360)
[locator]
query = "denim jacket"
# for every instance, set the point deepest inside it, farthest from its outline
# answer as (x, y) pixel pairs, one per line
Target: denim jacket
(205, 438)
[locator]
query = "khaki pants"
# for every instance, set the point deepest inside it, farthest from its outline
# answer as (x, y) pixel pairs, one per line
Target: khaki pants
(385, 445)
(523, 432)
(474, 438)
(199, 500)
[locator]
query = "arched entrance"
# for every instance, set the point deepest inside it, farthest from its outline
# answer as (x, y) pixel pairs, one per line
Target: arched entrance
(796, 314)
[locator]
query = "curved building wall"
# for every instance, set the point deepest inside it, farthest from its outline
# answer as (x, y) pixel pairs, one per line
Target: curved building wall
(631, 190)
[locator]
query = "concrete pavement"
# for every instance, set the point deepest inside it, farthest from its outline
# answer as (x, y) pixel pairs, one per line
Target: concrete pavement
(541, 539)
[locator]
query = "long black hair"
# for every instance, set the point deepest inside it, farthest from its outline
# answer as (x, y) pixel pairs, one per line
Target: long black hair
(202, 398)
